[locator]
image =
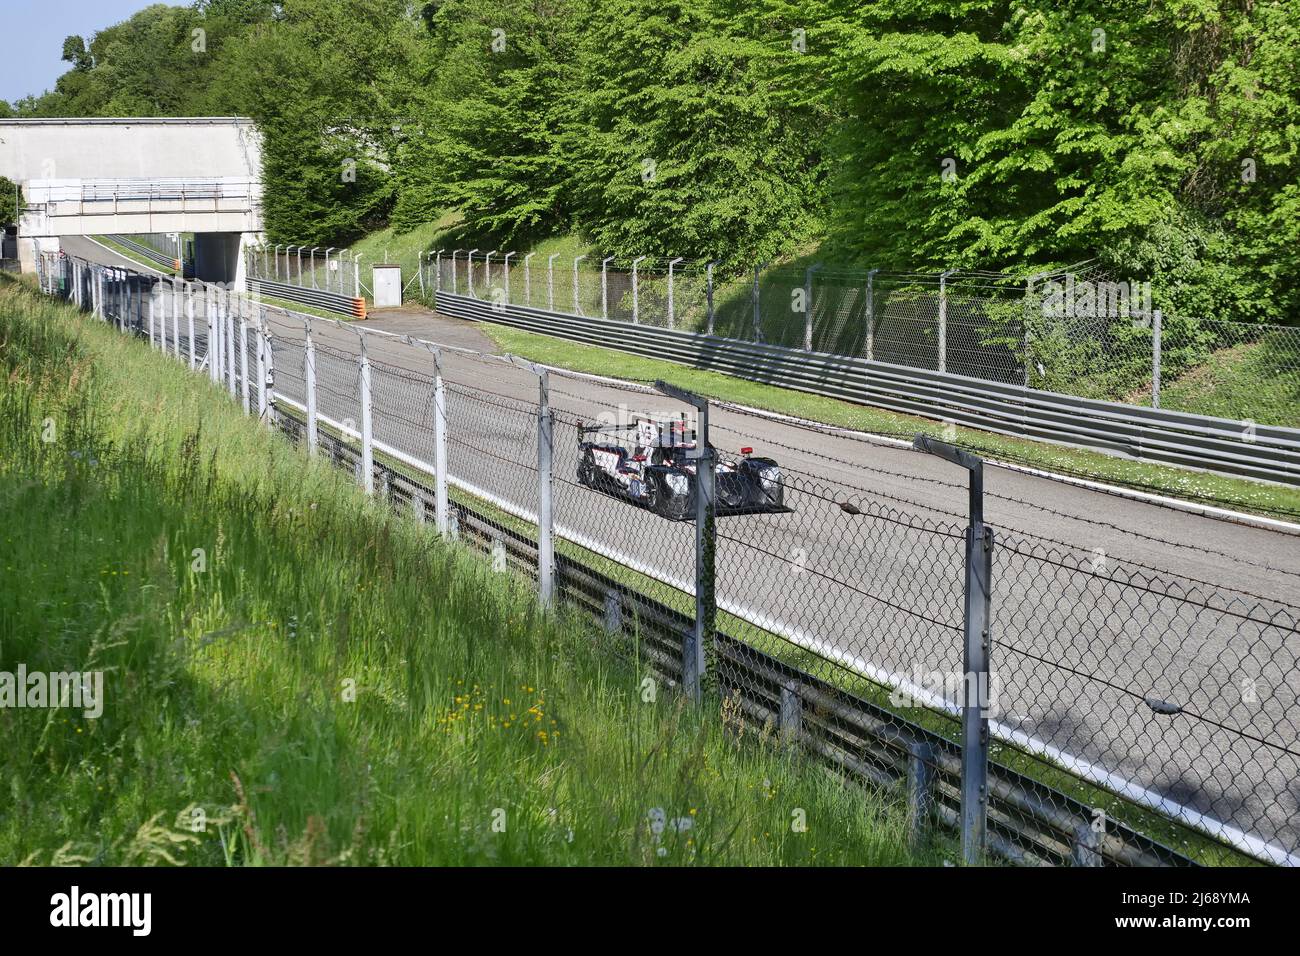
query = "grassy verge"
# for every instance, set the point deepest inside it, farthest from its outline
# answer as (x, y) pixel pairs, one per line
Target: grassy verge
(293, 675)
(131, 254)
(1196, 486)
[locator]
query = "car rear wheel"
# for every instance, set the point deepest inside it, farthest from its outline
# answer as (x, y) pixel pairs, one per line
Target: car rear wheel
(587, 470)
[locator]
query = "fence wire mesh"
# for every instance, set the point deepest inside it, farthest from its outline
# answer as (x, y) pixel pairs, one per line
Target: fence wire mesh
(1076, 331)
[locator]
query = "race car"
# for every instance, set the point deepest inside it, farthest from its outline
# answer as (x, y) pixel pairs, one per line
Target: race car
(658, 471)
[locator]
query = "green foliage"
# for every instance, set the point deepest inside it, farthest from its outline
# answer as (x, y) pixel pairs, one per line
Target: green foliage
(8, 202)
(1162, 139)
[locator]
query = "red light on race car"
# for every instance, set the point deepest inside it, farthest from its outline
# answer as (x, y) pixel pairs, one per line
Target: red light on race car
(638, 457)
(746, 451)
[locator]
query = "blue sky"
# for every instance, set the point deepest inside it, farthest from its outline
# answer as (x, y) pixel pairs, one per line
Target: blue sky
(34, 32)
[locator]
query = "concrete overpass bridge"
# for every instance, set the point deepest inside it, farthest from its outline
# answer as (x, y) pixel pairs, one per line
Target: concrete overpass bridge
(95, 177)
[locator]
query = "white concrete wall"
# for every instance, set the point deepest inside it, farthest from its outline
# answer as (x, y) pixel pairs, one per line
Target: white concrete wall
(129, 148)
(62, 163)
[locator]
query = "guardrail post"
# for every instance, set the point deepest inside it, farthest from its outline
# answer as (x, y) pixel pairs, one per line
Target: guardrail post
(943, 320)
(672, 318)
(636, 301)
(309, 379)
(1157, 321)
(920, 792)
(871, 315)
(697, 646)
(790, 713)
(367, 439)
(545, 525)
(1086, 850)
(978, 637)
(247, 389)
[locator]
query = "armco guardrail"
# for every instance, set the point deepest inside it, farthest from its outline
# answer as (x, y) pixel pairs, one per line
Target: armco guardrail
(1029, 823)
(329, 301)
(1178, 438)
(145, 252)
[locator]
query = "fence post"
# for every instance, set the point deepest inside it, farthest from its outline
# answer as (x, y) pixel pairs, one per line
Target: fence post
(943, 320)
(808, 306)
(636, 303)
(604, 286)
(577, 306)
(150, 310)
(1024, 327)
(708, 282)
(214, 335)
(246, 391)
(672, 319)
(262, 335)
(440, 449)
(189, 319)
(437, 271)
(487, 271)
(231, 368)
(550, 282)
(356, 276)
(268, 380)
(176, 319)
(454, 254)
(699, 642)
(309, 378)
(367, 447)
(1157, 321)
(469, 268)
(978, 636)
(871, 314)
(545, 526)
(505, 276)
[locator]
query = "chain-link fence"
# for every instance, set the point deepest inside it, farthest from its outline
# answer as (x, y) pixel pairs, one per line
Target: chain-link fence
(1075, 331)
(1034, 699)
(317, 268)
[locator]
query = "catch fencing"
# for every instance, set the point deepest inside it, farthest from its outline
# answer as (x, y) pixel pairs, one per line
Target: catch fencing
(325, 278)
(1029, 698)
(1074, 332)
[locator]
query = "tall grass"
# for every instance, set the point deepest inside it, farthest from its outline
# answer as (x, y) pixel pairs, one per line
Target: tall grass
(294, 675)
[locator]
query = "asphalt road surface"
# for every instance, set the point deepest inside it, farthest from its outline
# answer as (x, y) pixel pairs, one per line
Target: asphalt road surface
(1103, 608)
